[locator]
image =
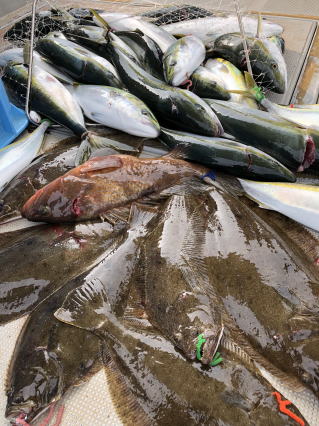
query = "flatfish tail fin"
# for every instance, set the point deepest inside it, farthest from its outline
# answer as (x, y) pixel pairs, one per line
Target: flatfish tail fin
(141, 214)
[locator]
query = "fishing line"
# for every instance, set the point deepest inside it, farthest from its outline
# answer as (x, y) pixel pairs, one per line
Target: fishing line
(243, 34)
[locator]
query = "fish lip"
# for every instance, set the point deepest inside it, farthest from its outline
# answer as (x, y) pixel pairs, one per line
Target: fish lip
(211, 345)
(153, 133)
(279, 86)
(220, 129)
(14, 411)
(178, 78)
(24, 209)
(169, 72)
(152, 127)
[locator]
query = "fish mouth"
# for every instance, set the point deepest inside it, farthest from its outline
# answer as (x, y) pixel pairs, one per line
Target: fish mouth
(152, 127)
(220, 129)
(19, 411)
(30, 210)
(27, 208)
(211, 345)
(277, 82)
(279, 87)
(170, 73)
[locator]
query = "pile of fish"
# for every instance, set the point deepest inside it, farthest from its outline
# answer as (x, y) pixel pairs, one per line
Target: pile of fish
(140, 254)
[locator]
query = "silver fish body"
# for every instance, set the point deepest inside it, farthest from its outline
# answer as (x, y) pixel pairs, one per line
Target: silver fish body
(48, 96)
(172, 104)
(299, 202)
(314, 107)
(123, 22)
(16, 55)
(18, 155)
(214, 26)
(305, 117)
(50, 68)
(232, 79)
(182, 58)
(119, 43)
(206, 83)
(77, 61)
(116, 108)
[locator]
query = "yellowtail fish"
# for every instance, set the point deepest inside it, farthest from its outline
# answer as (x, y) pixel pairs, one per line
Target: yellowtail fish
(18, 155)
(305, 106)
(123, 22)
(299, 202)
(304, 117)
(182, 58)
(232, 78)
(267, 62)
(48, 96)
(215, 26)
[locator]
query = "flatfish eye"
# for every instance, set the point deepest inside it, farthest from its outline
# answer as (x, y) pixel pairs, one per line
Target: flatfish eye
(18, 400)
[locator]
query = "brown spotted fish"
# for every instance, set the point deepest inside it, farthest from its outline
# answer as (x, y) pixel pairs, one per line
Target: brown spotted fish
(100, 184)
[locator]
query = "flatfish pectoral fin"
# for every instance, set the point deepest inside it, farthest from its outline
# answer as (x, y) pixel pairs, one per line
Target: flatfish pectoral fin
(86, 307)
(107, 164)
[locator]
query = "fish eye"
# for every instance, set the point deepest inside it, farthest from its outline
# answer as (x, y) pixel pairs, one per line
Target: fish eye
(45, 210)
(144, 112)
(173, 63)
(274, 66)
(17, 400)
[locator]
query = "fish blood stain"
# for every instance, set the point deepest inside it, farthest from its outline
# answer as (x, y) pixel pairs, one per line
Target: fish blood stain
(76, 208)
